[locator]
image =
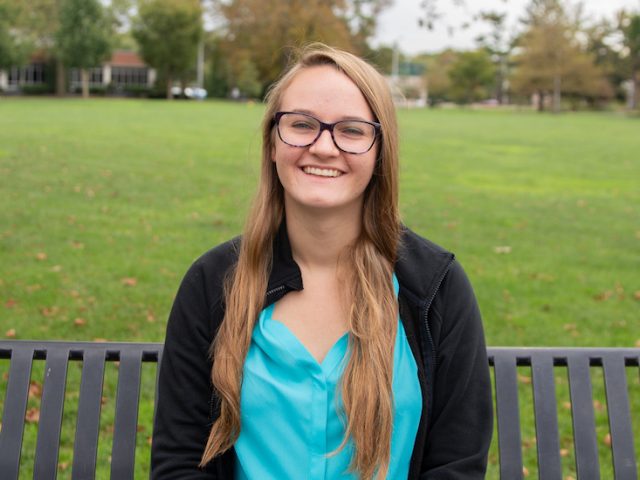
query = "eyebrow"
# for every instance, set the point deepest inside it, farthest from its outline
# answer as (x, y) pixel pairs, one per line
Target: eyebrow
(342, 119)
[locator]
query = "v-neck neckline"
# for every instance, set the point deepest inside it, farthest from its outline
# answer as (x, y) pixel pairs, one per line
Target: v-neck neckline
(281, 336)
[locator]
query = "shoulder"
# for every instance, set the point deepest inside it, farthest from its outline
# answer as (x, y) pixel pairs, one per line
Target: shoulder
(206, 275)
(421, 265)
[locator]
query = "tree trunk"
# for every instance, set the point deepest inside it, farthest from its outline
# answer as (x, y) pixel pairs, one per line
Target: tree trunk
(540, 101)
(169, 85)
(84, 74)
(635, 86)
(61, 83)
(556, 93)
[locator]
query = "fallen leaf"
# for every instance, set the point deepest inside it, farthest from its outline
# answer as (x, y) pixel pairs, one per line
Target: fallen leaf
(63, 466)
(49, 311)
(567, 405)
(35, 389)
(11, 333)
(597, 405)
(524, 379)
(569, 477)
(564, 452)
(103, 400)
(41, 256)
(56, 268)
(129, 281)
(502, 249)
(607, 439)
(79, 322)
(150, 316)
(569, 326)
(601, 297)
(5, 376)
(525, 471)
(140, 428)
(100, 340)
(149, 440)
(10, 303)
(636, 295)
(77, 245)
(32, 415)
(638, 343)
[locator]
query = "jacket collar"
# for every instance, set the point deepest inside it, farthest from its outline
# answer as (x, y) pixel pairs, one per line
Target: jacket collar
(285, 272)
(420, 267)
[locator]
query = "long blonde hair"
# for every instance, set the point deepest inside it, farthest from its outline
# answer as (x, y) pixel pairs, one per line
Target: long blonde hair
(372, 316)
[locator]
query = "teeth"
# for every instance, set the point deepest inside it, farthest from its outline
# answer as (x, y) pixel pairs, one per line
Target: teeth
(321, 172)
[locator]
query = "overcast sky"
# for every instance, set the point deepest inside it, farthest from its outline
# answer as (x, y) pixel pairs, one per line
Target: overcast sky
(399, 23)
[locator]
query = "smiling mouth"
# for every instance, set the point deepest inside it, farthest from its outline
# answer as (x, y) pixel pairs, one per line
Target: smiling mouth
(322, 172)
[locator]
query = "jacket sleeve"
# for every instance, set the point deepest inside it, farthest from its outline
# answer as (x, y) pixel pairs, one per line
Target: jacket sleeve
(459, 433)
(183, 411)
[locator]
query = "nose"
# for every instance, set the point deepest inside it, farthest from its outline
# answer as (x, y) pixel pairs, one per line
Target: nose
(324, 145)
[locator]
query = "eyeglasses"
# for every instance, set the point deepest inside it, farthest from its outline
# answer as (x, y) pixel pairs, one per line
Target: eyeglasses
(302, 130)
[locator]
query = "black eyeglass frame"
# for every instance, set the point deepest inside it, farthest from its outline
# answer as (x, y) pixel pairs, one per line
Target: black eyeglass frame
(326, 126)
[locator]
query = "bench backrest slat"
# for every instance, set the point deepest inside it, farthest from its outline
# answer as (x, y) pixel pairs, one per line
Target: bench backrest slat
(126, 421)
(624, 463)
(85, 447)
(583, 418)
(546, 417)
(15, 407)
(579, 363)
(508, 416)
(51, 405)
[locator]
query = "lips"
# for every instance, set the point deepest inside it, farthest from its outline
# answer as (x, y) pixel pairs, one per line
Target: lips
(322, 172)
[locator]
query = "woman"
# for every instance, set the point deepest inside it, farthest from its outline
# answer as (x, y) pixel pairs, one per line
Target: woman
(330, 341)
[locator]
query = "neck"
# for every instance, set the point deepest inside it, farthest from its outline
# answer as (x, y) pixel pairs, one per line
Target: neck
(318, 238)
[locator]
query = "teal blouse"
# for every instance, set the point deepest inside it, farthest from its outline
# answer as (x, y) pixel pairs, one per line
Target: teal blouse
(289, 406)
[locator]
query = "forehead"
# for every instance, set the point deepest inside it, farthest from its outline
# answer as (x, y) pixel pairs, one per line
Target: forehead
(327, 93)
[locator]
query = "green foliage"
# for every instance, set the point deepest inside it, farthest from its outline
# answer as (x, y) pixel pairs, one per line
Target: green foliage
(83, 37)
(263, 34)
(632, 41)
(437, 75)
(168, 33)
(11, 51)
(472, 75)
(217, 80)
(552, 61)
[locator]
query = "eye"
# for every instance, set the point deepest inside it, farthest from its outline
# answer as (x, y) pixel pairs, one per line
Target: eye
(303, 125)
(352, 129)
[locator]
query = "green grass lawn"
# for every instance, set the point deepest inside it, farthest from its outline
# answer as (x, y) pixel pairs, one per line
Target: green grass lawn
(105, 203)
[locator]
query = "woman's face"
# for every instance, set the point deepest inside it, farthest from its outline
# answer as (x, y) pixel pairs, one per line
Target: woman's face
(321, 176)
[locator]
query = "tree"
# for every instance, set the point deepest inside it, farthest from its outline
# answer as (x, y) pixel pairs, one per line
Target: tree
(83, 37)
(436, 74)
(551, 59)
(631, 31)
(604, 45)
(499, 48)
(10, 51)
(471, 76)
(168, 33)
(264, 33)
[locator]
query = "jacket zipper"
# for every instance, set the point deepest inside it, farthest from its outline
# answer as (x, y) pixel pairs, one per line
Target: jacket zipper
(434, 358)
(274, 290)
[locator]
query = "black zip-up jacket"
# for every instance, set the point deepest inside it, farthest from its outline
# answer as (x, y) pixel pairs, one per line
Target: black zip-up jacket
(442, 322)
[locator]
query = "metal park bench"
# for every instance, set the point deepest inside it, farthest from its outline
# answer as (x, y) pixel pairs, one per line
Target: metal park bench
(544, 363)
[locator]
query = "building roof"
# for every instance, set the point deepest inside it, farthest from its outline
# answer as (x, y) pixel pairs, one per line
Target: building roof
(125, 58)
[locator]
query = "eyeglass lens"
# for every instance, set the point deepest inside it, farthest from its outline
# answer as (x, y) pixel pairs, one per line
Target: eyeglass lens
(300, 130)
